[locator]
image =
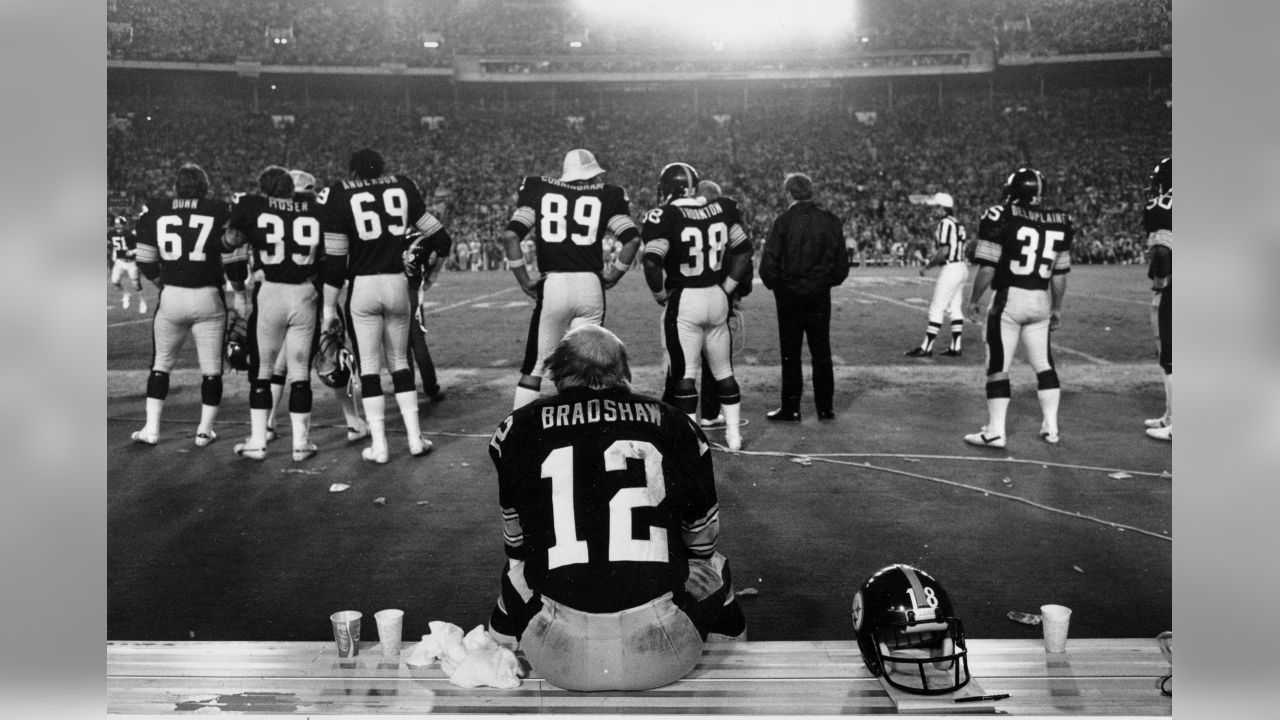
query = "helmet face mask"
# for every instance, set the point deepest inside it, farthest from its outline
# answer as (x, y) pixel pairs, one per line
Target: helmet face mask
(236, 344)
(334, 364)
(908, 634)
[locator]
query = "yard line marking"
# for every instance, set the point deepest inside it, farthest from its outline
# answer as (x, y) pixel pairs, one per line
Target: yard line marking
(1056, 347)
(1130, 301)
(129, 322)
(433, 311)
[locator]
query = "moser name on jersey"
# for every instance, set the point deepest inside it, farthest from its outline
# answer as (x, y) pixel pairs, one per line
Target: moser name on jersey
(1037, 214)
(702, 213)
(597, 410)
(288, 205)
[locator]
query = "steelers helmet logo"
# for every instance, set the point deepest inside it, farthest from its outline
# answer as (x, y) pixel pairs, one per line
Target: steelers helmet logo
(857, 611)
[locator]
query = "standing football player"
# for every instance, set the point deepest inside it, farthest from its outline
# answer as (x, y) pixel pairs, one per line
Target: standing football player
(284, 235)
(423, 261)
(1024, 255)
(571, 217)
(366, 219)
(121, 246)
(180, 251)
(610, 522)
(949, 235)
(1157, 221)
(696, 253)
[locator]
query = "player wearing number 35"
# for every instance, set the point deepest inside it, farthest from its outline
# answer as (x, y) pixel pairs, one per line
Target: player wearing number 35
(610, 519)
(1024, 255)
(569, 218)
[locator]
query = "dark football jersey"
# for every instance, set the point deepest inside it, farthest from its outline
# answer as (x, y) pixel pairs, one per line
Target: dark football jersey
(1026, 245)
(121, 244)
(1157, 221)
(184, 236)
(365, 221)
(691, 237)
(605, 495)
(571, 220)
(950, 234)
(284, 234)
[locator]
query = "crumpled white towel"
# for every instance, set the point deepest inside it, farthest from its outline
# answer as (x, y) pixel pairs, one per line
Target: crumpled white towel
(469, 661)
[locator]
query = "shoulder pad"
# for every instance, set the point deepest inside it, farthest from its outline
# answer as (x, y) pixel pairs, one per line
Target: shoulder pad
(993, 213)
(654, 216)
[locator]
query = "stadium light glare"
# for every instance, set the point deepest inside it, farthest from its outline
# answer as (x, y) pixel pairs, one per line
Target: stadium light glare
(737, 20)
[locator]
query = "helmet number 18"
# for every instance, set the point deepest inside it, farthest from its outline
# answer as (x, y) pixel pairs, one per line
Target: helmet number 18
(930, 598)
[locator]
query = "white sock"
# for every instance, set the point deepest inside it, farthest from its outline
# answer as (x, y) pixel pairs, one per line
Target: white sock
(732, 422)
(524, 396)
(1168, 399)
(408, 402)
(208, 413)
(1049, 408)
(258, 427)
(375, 413)
(996, 410)
(301, 428)
(155, 406)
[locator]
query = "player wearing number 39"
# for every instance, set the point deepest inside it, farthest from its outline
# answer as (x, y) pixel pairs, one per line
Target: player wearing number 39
(180, 250)
(571, 216)
(366, 219)
(610, 520)
(1024, 255)
(703, 251)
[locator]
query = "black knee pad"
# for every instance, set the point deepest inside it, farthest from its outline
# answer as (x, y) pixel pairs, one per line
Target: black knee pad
(998, 389)
(1047, 380)
(1167, 367)
(300, 396)
(370, 386)
(277, 379)
(211, 390)
(728, 391)
(402, 380)
(260, 394)
(686, 396)
(158, 385)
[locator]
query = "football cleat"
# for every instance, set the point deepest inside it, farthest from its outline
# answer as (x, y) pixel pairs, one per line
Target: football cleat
(1161, 433)
(359, 432)
(271, 434)
(381, 458)
(918, 352)
(1157, 422)
(145, 437)
(781, 415)
(305, 452)
(1051, 438)
(950, 353)
(253, 453)
(203, 439)
(712, 423)
(142, 307)
(982, 439)
(733, 441)
(124, 302)
(422, 447)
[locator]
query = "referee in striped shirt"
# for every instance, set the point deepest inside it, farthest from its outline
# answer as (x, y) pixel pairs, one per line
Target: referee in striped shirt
(950, 238)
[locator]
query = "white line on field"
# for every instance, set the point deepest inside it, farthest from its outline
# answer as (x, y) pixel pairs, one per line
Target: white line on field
(1056, 347)
(433, 311)
(129, 322)
(1130, 301)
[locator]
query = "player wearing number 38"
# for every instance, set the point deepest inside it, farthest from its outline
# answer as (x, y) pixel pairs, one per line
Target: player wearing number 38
(1024, 255)
(610, 519)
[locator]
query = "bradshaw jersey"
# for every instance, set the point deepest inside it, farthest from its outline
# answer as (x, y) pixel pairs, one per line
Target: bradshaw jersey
(691, 237)
(284, 235)
(950, 234)
(184, 235)
(605, 496)
(1026, 245)
(365, 222)
(121, 244)
(571, 220)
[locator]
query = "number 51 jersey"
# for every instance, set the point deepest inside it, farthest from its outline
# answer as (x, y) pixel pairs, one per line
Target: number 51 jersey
(571, 219)
(1027, 245)
(605, 495)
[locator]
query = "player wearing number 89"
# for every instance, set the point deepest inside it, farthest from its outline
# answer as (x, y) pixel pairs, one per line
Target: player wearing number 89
(1023, 255)
(610, 522)
(571, 215)
(284, 235)
(696, 253)
(180, 250)
(366, 219)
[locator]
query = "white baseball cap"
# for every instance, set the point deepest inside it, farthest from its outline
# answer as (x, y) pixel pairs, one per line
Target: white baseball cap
(303, 181)
(580, 164)
(943, 200)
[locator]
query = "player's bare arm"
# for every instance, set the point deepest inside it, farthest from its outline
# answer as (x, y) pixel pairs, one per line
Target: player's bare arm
(981, 281)
(653, 277)
(627, 255)
(1057, 291)
(515, 261)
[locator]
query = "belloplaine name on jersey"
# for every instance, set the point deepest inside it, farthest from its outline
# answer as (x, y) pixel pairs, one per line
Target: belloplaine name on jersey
(1047, 216)
(599, 410)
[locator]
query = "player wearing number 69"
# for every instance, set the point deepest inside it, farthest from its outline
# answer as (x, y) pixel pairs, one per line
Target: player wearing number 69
(366, 219)
(696, 253)
(571, 216)
(1024, 255)
(610, 521)
(180, 251)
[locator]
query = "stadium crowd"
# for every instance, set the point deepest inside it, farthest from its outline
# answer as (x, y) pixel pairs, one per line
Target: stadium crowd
(1094, 144)
(340, 32)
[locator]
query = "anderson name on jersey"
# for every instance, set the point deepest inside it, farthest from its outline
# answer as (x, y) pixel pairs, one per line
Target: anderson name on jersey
(605, 495)
(571, 219)
(691, 237)
(1026, 245)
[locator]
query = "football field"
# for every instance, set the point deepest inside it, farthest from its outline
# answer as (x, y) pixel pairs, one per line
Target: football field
(205, 545)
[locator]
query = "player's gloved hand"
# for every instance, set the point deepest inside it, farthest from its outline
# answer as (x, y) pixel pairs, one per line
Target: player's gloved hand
(1055, 321)
(661, 297)
(329, 320)
(974, 312)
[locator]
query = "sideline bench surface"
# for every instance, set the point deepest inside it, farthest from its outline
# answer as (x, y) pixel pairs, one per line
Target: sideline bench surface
(1094, 677)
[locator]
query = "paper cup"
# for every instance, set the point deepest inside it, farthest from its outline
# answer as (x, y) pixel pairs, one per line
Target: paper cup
(1054, 619)
(390, 625)
(346, 632)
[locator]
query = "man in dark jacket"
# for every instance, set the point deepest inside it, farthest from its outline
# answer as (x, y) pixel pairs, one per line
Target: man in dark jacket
(803, 259)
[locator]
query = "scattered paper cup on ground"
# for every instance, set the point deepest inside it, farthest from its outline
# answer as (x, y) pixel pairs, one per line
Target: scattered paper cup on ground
(346, 632)
(1055, 619)
(390, 626)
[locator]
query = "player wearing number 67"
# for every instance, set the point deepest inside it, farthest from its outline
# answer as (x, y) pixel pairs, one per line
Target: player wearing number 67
(1023, 255)
(180, 251)
(571, 215)
(366, 220)
(696, 253)
(610, 521)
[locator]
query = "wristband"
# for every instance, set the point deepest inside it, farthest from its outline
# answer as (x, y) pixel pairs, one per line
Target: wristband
(621, 266)
(513, 264)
